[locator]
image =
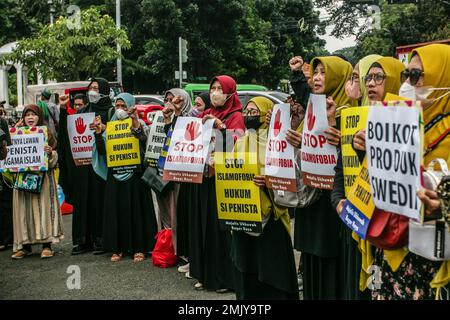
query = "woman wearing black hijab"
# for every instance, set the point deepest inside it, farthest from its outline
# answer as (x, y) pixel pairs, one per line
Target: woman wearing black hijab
(88, 200)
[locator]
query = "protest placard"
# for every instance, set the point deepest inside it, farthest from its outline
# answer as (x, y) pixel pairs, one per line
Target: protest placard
(394, 151)
(280, 170)
(26, 152)
(81, 137)
(155, 140)
(318, 157)
(188, 150)
(238, 198)
(352, 121)
(122, 147)
(359, 207)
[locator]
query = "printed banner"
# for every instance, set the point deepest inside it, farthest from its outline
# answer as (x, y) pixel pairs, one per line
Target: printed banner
(238, 198)
(155, 141)
(122, 147)
(188, 150)
(26, 152)
(81, 137)
(318, 157)
(280, 170)
(352, 121)
(359, 207)
(394, 151)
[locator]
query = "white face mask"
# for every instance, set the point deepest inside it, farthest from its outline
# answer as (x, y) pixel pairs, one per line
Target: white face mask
(93, 96)
(218, 99)
(420, 93)
(121, 114)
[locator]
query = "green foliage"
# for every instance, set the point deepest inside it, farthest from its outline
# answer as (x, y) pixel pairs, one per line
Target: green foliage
(400, 24)
(61, 52)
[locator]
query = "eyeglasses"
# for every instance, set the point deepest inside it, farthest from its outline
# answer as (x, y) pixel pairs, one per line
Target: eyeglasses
(168, 100)
(378, 78)
(250, 112)
(354, 78)
(413, 75)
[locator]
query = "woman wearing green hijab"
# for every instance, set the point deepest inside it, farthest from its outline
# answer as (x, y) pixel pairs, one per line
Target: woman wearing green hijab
(264, 265)
(317, 226)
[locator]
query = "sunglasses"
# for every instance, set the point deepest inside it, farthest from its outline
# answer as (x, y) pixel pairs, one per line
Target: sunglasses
(378, 78)
(413, 75)
(168, 100)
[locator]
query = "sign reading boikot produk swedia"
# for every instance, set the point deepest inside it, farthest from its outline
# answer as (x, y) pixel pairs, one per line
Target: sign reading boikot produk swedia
(188, 150)
(122, 148)
(238, 198)
(81, 137)
(280, 170)
(352, 121)
(394, 151)
(26, 152)
(359, 207)
(318, 157)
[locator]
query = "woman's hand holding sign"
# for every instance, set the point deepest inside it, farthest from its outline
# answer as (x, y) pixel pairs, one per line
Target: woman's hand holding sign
(333, 136)
(430, 200)
(260, 181)
(294, 138)
(97, 125)
(359, 140)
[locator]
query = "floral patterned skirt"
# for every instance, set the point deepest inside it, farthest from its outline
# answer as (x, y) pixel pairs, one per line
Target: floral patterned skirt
(410, 282)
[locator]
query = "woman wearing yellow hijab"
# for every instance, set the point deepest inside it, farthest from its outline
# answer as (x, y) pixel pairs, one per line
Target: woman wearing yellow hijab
(264, 265)
(351, 259)
(416, 276)
(317, 226)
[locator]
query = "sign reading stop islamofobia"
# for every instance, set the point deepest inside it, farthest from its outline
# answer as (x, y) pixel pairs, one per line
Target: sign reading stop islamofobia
(280, 170)
(122, 147)
(188, 150)
(81, 137)
(318, 157)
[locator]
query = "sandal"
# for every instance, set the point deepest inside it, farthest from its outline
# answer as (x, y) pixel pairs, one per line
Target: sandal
(20, 254)
(198, 286)
(138, 257)
(116, 257)
(46, 253)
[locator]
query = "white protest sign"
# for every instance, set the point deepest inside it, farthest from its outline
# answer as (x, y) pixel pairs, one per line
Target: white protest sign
(26, 152)
(156, 136)
(81, 137)
(394, 151)
(318, 157)
(280, 170)
(188, 150)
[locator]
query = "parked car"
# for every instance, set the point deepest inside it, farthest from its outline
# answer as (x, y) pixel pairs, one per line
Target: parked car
(149, 99)
(275, 96)
(146, 112)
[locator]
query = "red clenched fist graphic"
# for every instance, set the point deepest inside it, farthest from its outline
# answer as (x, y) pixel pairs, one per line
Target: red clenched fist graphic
(192, 131)
(80, 126)
(277, 125)
(311, 118)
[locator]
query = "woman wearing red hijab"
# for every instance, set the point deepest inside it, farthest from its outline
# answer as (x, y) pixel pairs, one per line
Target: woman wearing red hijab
(209, 255)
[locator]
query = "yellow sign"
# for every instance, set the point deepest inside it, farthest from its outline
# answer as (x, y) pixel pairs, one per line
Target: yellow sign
(352, 121)
(122, 148)
(359, 207)
(238, 198)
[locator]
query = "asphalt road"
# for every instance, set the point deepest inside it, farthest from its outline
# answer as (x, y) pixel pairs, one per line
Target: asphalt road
(34, 278)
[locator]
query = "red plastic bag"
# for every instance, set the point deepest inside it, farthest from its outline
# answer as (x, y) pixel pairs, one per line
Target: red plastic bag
(163, 254)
